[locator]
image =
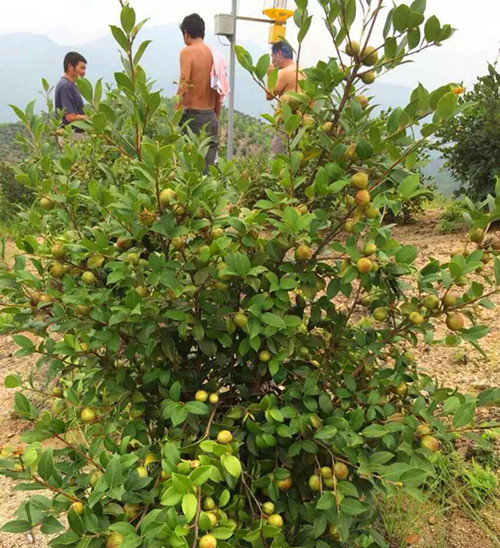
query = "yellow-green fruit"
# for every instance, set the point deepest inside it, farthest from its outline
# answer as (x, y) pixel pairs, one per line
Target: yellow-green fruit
(114, 540)
(132, 258)
(303, 253)
(380, 313)
(362, 100)
(314, 483)
(333, 532)
(240, 320)
(327, 127)
(422, 430)
(213, 399)
(47, 204)
(208, 503)
(275, 520)
(284, 484)
(307, 120)
(131, 510)
(329, 483)
(83, 308)
(57, 270)
(224, 436)
(217, 233)
(349, 226)
(124, 243)
(58, 251)
(372, 213)
(362, 197)
(401, 389)
(95, 477)
(177, 242)
(449, 300)
(167, 196)
(431, 302)
(326, 472)
(213, 519)
(208, 541)
(369, 249)
(369, 56)
(201, 395)
(220, 286)
(476, 235)
(352, 48)
(88, 278)
(88, 414)
(455, 321)
(147, 218)
(340, 471)
(77, 507)
(350, 153)
(416, 318)
(142, 472)
(150, 458)
(429, 442)
(364, 265)
(264, 356)
(268, 508)
(368, 77)
(360, 180)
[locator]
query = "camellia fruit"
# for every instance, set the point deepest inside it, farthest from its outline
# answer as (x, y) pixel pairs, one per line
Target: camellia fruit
(208, 503)
(380, 313)
(360, 180)
(362, 100)
(455, 321)
(57, 270)
(352, 48)
(284, 484)
(401, 389)
(132, 258)
(208, 541)
(177, 242)
(77, 507)
(268, 508)
(370, 249)
(88, 278)
(58, 251)
(368, 77)
(349, 226)
(416, 318)
(142, 472)
(213, 399)
(240, 319)
(216, 233)
(124, 243)
(46, 204)
(422, 430)
(275, 520)
(224, 436)
(114, 540)
(431, 302)
(476, 235)
(88, 414)
(213, 519)
(314, 483)
(141, 291)
(131, 510)
(430, 443)
(95, 477)
(340, 471)
(167, 196)
(264, 356)
(362, 197)
(449, 300)
(201, 395)
(369, 56)
(364, 265)
(303, 253)
(147, 218)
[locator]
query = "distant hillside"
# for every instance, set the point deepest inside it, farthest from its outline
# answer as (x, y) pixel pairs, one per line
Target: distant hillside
(9, 150)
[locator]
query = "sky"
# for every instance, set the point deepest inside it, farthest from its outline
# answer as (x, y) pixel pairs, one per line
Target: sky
(460, 59)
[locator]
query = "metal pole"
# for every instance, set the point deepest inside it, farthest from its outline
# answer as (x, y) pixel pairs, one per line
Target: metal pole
(232, 80)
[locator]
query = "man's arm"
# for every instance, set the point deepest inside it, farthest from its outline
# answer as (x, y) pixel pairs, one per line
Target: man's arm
(184, 77)
(70, 117)
(70, 107)
(278, 88)
(218, 105)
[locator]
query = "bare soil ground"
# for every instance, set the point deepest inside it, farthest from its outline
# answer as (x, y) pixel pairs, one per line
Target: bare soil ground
(466, 369)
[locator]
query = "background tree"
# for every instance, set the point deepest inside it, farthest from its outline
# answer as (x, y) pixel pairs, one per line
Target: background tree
(470, 142)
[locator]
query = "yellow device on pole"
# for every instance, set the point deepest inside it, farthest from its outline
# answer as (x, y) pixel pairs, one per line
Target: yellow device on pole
(278, 14)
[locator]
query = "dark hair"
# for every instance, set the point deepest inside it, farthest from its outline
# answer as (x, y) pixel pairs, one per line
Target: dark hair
(286, 49)
(73, 58)
(194, 25)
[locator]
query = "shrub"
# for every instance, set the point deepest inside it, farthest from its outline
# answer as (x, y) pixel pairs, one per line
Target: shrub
(226, 376)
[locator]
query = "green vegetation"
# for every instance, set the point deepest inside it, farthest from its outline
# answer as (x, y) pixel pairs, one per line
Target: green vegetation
(236, 370)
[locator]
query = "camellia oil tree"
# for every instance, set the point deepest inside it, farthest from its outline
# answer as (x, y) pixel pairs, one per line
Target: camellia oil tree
(228, 376)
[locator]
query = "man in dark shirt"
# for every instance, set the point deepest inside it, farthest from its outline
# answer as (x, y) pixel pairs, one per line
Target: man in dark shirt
(67, 96)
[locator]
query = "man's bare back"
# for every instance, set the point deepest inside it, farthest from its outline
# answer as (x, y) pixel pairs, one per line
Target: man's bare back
(194, 90)
(287, 80)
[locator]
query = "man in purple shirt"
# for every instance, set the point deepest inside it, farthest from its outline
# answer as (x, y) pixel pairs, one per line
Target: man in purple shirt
(67, 96)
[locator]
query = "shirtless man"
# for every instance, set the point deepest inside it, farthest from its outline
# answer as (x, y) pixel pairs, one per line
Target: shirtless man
(201, 103)
(282, 59)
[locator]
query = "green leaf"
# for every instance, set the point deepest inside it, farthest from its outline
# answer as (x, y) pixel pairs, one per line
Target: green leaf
(232, 465)
(273, 320)
(113, 473)
(99, 122)
(16, 526)
(352, 507)
(400, 17)
(262, 66)
(120, 38)
(326, 432)
(51, 526)
(446, 106)
(127, 18)
(374, 431)
(201, 475)
(197, 408)
(46, 464)
(326, 502)
(406, 254)
(464, 414)
(432, 29)
(12, 381)
(189, 506)
(496, 266)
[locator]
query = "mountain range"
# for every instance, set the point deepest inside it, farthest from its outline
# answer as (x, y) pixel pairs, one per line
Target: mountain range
(27, 58)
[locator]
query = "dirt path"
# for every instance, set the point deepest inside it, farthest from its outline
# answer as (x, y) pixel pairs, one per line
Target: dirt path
(465, 369)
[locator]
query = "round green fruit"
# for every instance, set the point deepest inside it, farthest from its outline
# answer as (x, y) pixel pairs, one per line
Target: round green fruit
(340, 471)
(201, 395)
(362, 197)
(455, 321)
(208, 541)
(58, 251)
(131, 510)
(431, 302)
(430, 443)
(95, 477)
(380, 313)
(359, 180)
(88, 414)
(303, 253)
(314, 483)
(364, 265)
(114, 540)
(213, 399)
(368, 77)
(224, 436)
(167, 196)
(416, 318)
(370, 249)
(77, 507)
(88, 278)
(46, 204)
(240, 319)
(275, 520)
(284, 484)
(268, 508)
(352, 48)
(264, 356)
(208, 503)
(369, 56)
(57, 270)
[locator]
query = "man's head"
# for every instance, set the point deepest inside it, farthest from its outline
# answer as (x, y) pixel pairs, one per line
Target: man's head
(281, 54)
(193, 27)
(75, 65)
